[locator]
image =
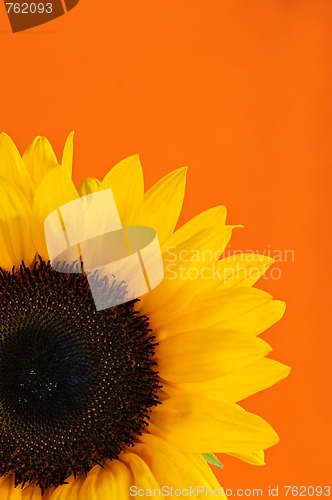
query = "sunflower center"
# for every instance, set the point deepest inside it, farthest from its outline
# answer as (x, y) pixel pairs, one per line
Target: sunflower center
(44, 372)
(76, 385)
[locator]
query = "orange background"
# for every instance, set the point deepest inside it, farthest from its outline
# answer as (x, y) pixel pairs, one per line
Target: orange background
(241, 92)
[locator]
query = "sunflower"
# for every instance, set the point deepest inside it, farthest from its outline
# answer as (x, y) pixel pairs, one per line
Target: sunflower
(135, 399)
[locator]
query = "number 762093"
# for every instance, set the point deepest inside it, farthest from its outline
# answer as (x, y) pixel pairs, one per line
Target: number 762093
(29, 8)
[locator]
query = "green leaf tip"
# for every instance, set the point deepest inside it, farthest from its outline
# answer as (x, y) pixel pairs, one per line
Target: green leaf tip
(213, 460)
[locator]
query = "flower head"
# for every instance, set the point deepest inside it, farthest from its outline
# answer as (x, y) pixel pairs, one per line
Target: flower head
(95, 403)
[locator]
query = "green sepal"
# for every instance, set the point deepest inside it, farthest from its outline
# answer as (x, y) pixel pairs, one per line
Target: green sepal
(213, 460)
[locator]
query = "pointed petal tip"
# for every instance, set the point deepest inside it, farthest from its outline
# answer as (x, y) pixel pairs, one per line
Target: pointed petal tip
(280, 305)
(5, 137)
(219, 209)
(181, 171)
(88, 186)
(266, 259)
(69, 140)
(288, 370)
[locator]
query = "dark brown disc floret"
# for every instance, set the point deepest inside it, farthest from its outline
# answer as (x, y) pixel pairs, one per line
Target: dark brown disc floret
(76, 384)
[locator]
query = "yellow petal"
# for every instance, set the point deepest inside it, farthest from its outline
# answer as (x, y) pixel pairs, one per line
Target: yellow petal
(142, 477)
(70, 491)
(257, 458)
(195, 424)
(108, 482)
(185, 279)
(15, 227)
(173, 468)
(204, 355)
(67, 155)
(32, 492)
(126, 181)
(210, 218)
(236, 385)
(240, 270)
(55, 189)
(163, 203)
(39, 159)
(242, 309)
(13, 168)
(164, 307)
(88, 186)
(186, 255)
(8, 490)
(201, 273)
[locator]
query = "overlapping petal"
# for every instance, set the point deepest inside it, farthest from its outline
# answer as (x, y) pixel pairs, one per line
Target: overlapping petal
(186, 255)
(213, 353)
(108, 482)
(127, 184)
(242, 309)
(195, 424)
(8, 490)
(70, 491)
(240, 270)
(175, 469)
(15, 227)
(88, 186)
(54, 190)
(39, 159)
(12, 166)
(235, 385)
(141, 474)
(163, 203)
(32, 492)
